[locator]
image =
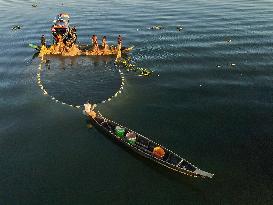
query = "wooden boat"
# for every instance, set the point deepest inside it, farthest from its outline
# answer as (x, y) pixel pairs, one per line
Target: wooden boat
(145, 147)
(65, 42)
(83, 48)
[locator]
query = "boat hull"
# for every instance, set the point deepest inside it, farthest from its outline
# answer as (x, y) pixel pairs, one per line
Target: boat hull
(196, 173)
(85, 48)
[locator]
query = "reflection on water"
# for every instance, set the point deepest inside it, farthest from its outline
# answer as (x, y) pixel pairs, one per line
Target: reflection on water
(47, 156)
(74, 80)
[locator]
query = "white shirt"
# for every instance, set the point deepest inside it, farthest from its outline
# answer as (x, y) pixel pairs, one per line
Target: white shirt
(87, 107)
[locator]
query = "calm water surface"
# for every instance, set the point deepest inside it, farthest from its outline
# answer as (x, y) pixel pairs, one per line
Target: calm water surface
(210, 101)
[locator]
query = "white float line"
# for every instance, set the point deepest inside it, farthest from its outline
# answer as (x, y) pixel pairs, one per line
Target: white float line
(40, 84)
(120, 89)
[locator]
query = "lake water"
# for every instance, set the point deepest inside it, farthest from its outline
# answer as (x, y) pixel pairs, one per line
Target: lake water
(210, 100)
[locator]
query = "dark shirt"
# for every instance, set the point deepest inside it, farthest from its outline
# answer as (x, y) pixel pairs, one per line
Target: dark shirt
(43, 41)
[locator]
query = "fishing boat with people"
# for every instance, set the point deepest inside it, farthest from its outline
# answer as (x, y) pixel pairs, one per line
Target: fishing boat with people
(61, 27)
(143, 145)
(65, 42)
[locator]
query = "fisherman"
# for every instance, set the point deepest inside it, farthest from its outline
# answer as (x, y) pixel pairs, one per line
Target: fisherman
(94, 39)
(60, 46)
(53, 30)
(104, 43)
(74, 34)
(57, 38)
(105, 47)
(95, 43)
(89, 109)
(43, 40)
(119, 47)
(119, 39)
(71, 37)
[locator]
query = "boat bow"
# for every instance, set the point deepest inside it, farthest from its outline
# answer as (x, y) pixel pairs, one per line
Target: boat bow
(203, 173)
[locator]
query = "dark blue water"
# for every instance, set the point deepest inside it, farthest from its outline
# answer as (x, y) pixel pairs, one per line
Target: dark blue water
(210, 101)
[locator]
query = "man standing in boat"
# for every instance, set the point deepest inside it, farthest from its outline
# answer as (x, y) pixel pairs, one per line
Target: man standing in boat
(104, 45)
(43, 40)
(95, 44)
(72, 36)
(89, 109)
(119, 47)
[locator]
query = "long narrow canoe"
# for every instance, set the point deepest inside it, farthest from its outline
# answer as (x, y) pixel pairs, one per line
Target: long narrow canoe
(145, 147)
